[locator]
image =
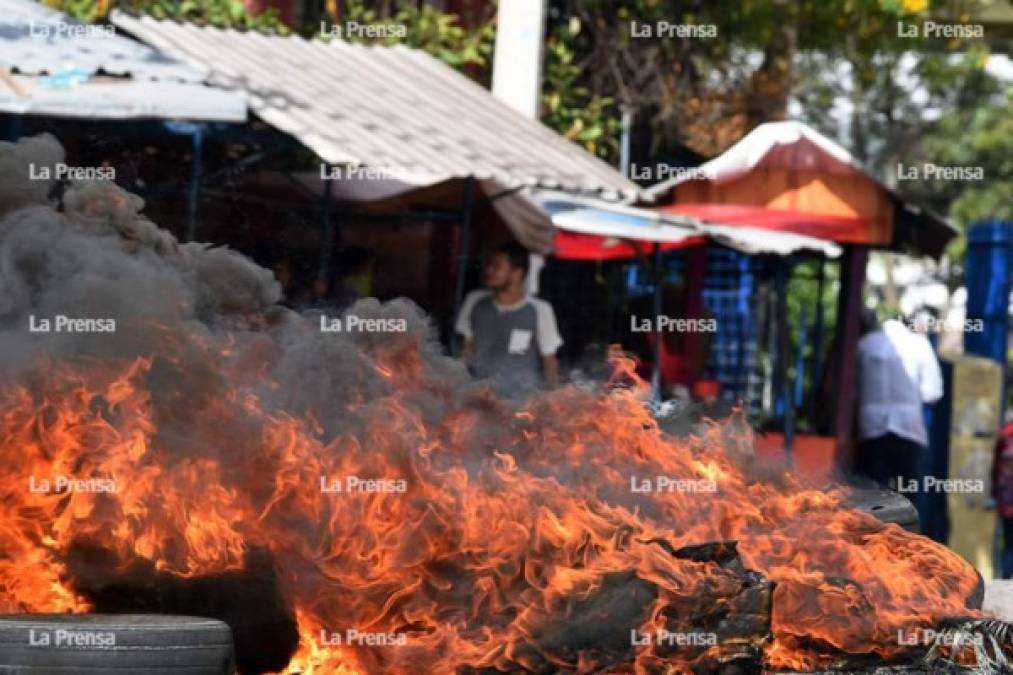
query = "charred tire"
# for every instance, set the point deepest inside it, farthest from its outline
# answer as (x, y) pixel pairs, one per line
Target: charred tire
(128, 644)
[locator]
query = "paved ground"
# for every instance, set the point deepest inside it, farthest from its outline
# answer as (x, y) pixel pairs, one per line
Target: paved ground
(999, 598)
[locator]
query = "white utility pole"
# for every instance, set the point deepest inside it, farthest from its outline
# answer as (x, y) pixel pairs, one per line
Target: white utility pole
(517, 64)
(517, 73)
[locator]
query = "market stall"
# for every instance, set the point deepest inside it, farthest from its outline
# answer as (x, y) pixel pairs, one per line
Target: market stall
(783, 195)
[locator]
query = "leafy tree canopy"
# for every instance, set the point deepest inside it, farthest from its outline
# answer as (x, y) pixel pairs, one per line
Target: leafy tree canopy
(214, 12)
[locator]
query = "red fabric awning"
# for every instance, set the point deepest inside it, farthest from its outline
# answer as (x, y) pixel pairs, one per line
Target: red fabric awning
(839, 229)
(574, 246)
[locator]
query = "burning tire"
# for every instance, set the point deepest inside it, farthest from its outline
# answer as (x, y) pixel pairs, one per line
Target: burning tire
(94, 644)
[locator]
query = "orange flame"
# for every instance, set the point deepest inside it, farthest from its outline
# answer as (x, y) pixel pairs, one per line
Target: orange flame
(440, 529)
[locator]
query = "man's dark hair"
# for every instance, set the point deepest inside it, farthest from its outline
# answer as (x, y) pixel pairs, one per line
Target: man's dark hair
(516, 255)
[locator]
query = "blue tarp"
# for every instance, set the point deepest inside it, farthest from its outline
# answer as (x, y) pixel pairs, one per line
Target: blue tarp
(987, 270)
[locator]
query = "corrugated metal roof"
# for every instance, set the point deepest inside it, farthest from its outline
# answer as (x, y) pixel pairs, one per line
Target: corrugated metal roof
(117, 99)
(58, 67)
(753, 240)
(394, 108)
(38, 40)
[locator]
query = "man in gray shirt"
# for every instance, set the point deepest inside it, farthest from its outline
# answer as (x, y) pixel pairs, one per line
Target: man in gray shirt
(510, 337)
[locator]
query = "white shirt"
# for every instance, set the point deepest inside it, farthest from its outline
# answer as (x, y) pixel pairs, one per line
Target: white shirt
(898, 372)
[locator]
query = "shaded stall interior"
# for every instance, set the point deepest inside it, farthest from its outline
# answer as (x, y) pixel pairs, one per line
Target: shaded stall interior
(779, 348)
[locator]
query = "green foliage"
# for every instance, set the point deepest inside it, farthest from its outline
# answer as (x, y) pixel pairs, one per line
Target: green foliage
(986, 141)
(682, 90)
(215, 12)
(568, 105)
(975, 131)
(435, 32)
(803, 300)
(429, 29)
(888, 126)
(84, 10)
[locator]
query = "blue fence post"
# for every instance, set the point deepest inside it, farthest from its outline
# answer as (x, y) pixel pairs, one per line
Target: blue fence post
(987, 268)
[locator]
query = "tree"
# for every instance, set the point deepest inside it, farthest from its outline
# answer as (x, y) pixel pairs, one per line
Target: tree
(986, 143)
(706, 92)
(436, 32)
(214, 12)
(430, 29)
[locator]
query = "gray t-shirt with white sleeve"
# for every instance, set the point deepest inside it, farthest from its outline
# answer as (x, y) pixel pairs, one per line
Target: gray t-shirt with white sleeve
(509, 341)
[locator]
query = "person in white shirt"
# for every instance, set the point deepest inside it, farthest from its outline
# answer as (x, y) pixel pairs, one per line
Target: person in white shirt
(897, 373)
(510, 337)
